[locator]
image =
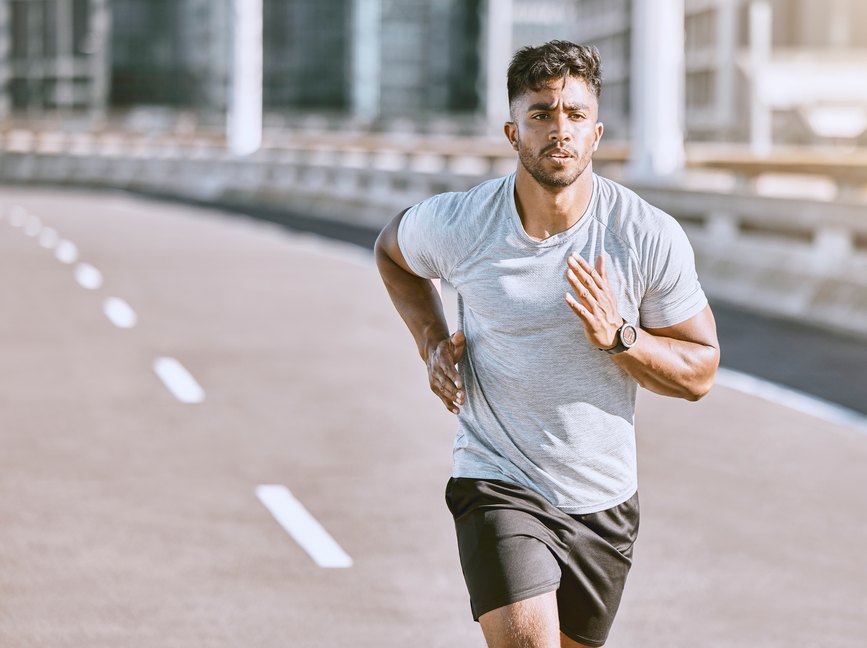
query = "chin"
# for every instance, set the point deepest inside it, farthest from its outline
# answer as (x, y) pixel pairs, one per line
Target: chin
(555, 180)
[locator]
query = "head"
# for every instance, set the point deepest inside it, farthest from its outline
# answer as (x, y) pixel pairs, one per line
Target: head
(554, 106)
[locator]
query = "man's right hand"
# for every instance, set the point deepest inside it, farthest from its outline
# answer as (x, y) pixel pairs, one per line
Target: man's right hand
(445, 381)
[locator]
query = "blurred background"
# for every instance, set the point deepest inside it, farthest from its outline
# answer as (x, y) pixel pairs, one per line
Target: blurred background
(426, 66)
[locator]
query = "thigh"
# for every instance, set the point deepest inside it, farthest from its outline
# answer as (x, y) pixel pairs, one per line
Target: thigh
(531, 623)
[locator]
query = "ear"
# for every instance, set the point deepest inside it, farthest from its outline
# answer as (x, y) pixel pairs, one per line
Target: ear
(511, 131)
(599, 128)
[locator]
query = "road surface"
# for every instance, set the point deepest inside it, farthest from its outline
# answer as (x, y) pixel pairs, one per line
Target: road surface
(129, 517)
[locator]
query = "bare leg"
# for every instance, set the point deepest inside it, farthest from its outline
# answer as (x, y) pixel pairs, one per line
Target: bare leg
(532, 623)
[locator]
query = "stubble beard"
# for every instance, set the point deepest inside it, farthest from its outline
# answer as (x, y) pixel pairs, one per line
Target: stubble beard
(534, 165)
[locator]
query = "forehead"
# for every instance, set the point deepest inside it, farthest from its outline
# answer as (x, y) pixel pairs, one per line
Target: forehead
(569, 91)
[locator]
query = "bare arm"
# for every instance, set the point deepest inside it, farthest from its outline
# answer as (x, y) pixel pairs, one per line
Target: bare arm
(679, 360)
(419, 304)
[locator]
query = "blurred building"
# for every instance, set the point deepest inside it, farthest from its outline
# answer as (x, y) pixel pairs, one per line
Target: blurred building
(391, 63)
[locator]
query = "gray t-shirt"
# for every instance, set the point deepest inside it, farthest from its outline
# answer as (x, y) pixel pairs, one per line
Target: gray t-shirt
(543, 407)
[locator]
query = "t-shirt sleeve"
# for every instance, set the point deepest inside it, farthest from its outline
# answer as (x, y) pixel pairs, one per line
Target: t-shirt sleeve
(432, 237)
(673, 293)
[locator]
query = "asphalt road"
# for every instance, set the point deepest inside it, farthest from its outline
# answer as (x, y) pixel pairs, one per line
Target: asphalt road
(130, 518)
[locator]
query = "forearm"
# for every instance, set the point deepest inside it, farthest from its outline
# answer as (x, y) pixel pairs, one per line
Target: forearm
(417, 301)
(670, 367)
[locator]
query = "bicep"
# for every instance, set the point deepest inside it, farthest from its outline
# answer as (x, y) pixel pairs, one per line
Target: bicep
(698, 329)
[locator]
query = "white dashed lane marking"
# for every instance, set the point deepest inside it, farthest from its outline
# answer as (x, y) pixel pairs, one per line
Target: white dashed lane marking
(32, 226)
(66, 251)
(48, 238)
(179, 381)
(119, 313)
(302, 526)
(17, 216)
(87, 276)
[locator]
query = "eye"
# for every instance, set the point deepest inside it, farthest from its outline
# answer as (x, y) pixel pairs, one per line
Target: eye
(540, 116)
(577, 116)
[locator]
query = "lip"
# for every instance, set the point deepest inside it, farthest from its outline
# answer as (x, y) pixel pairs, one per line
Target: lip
(559, 154)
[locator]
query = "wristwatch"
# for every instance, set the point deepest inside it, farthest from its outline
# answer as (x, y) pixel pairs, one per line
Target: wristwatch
(626, 336)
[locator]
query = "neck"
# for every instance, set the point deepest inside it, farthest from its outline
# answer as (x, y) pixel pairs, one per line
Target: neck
(546, 211)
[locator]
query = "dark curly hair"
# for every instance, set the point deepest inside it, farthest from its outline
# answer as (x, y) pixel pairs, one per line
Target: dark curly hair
(533, 67)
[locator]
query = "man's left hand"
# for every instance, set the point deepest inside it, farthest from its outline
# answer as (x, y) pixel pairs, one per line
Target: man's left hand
(596, 305)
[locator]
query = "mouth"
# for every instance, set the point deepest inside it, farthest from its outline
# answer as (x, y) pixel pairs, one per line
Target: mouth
(559, 154)
(560, 158)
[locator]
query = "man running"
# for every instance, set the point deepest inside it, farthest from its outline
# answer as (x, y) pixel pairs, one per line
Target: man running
(572, 292)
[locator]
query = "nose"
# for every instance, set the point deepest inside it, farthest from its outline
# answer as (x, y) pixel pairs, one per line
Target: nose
(560, 131)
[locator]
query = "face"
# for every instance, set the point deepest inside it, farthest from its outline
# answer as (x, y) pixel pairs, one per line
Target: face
(555, 131)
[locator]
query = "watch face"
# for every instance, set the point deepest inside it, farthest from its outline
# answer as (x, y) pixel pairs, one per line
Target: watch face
(628, 335)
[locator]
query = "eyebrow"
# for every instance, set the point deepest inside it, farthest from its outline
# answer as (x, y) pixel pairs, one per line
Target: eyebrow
(549, 107)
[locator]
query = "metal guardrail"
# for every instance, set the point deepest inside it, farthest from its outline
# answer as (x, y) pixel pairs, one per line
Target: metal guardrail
(797, 258)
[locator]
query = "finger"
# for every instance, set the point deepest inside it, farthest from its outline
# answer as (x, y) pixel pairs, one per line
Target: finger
(599, 278)
(585, 274)
(448, 385)
(450, 406)
(444, 389)
(588, 298)
(575, 282)
(450, 373)
(442, 362)
(579, 309)
(458, 342)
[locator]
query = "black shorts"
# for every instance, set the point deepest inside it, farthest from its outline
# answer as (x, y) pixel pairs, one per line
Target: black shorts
(515, 545)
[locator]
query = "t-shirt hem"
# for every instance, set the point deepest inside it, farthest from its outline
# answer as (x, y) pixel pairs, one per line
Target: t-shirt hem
(595, 508)
(569, 509)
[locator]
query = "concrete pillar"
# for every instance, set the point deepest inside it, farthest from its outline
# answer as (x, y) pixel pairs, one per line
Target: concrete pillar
(657, 84)
(726, 64)
(244, 125)
(366, 58)
(219, 36)
(35, 15)
(65, 63)
(100, 57)
(5, 54)
(840, 27)
(497, 54)
(761, 124)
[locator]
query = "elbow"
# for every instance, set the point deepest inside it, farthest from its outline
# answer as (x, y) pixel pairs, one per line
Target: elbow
(702, 383)
(697, 391)
(379, 244)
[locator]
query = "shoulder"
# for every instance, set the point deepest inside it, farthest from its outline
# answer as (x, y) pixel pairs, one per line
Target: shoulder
(640, 225)
(463, 206)
(438, 233)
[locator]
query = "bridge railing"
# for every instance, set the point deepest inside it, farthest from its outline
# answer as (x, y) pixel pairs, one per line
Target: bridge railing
(801, 258)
